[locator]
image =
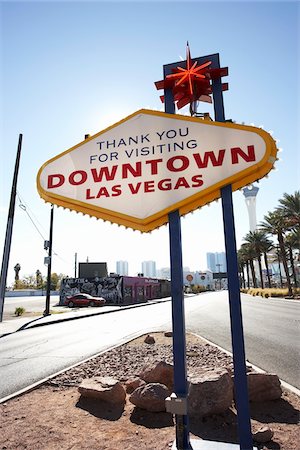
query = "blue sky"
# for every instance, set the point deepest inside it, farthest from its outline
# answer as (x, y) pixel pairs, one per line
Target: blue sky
(71, 68)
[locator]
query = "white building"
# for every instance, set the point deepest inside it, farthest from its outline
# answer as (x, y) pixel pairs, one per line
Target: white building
(122, 267)
(250, 193)
(199, 278)
(149, 268)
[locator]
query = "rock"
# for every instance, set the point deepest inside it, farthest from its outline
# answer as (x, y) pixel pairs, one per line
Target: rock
(133, 383)
(210, 392)
(158, 372)
(263, 387)
(168, 333)
(150, 397)
(263, 435)
(103, 388)
(149, 339)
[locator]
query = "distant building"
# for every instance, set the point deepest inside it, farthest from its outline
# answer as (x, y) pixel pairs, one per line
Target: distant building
(92, 269)
(216, 262)
(149, 268)
(122, 267)
(201, 278)
(164, 273)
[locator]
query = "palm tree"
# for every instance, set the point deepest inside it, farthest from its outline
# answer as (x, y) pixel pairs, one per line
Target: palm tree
(243, 261)
(253, 240)
(292, 242)
(275, 223)
(290, 208)
(241, 265)
(265, 246)
(250, 255)
(261, 245)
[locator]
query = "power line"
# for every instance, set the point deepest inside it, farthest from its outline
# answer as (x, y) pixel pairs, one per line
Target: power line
(25, 208)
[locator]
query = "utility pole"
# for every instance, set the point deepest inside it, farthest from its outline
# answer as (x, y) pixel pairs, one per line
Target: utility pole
(9, 228)
(75, 267)
(48, 245)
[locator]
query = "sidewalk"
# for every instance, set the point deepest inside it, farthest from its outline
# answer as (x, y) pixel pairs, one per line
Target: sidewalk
(63, 314)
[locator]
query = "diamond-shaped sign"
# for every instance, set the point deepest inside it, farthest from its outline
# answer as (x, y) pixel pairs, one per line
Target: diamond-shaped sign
(138, 170)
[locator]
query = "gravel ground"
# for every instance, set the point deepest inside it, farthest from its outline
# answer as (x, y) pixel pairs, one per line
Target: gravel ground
(55, 416)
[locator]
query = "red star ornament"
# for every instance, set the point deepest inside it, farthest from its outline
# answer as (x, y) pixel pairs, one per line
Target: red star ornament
(191, 83)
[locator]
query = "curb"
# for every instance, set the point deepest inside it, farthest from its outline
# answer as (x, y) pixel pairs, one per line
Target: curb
(286, 385)
(82, 316)
(31, 387)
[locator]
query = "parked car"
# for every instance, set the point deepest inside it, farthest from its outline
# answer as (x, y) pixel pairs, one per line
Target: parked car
(84, 300)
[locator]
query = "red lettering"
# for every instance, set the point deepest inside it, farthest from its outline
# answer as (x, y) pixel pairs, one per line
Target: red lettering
(149, 186)
(104, 172)
(181, 182)
(184, 163)
(165, 185)
(197, 181)
(52, 184)
(103, 192)
(116, 190)
(88, 195)
(136, 172)
(209, 156)
(154, 164)
(237, 151)
(134, 190)
(81, 173)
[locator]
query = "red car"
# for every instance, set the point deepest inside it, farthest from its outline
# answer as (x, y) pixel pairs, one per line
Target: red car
(84, 300)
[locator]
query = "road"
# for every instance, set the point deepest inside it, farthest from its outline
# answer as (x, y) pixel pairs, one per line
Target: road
(34, 303)
(271, 335)
(271, 330)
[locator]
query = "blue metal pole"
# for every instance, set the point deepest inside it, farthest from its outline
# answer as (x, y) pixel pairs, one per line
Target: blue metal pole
(178, 321)
(178, 316)
(237, 335)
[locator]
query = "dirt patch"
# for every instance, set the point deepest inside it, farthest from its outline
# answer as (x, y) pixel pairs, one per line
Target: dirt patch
(54, 416)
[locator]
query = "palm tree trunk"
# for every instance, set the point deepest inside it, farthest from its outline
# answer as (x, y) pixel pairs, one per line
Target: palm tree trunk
(260, 272)
(293, 266)
(253, 273)
(267, 268)
(243, 276)
(284, 260)
(280, 274)
(248, 274)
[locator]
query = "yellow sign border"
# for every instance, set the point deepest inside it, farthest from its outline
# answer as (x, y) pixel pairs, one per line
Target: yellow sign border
(239, 180)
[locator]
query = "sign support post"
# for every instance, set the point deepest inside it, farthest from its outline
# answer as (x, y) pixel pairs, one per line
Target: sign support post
(178, 316)
(237, 334)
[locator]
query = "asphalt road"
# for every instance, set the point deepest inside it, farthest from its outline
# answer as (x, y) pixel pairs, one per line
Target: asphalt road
(271, 334)
(34, 303)
(271, 330)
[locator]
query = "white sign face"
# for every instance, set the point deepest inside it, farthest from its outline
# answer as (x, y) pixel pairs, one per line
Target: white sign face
(137, 171)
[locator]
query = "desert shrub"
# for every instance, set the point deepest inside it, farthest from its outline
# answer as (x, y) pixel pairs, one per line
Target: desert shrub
(19, 311)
